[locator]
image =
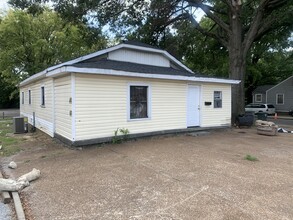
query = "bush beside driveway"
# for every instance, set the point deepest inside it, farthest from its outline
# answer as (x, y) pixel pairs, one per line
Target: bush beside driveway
(179, 177)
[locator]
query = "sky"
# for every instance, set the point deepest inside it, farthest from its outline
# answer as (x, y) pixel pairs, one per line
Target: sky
(3, 5)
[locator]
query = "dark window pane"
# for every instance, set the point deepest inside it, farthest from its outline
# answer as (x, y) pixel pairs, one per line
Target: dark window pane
(280, 99)
(29, 97)
(22, 97)
(43, 95)
(217, 99)
(138, 102)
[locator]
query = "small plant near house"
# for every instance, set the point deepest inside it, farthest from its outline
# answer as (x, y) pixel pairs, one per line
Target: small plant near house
(250, 158)
(120, 134)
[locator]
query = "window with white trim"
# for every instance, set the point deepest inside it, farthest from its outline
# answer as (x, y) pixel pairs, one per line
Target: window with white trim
(22, 97)
(138, 101)
(217, 99)
(280, 99)
(258, 97)
(43, 96)
(29, 97)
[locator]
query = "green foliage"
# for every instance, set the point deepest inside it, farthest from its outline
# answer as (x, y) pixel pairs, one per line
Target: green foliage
(120, 135)
(9, 144)
(8, 98)
(245, 40)
(250, 158)
(31, 43)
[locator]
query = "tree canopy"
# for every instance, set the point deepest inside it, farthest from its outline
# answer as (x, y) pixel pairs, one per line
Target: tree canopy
(248, 39)
(30, 43)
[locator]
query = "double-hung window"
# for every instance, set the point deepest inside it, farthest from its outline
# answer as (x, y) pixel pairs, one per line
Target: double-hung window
(280, 99)
(139, 102)
(22, 98)
(258, 97)
(29, 97)
(42, 96)
(217, 99)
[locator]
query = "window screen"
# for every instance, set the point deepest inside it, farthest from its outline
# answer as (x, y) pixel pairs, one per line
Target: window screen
(217, 99)
(138, 102)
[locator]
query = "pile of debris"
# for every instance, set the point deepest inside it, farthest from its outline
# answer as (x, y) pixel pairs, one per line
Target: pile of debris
(10, 187)
(266, 128)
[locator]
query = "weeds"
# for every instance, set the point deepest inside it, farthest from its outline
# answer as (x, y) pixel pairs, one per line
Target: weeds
(250, 158)
(120, 135)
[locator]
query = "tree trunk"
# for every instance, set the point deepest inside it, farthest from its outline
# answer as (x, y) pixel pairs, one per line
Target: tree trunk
(237, 71)
(237, 64)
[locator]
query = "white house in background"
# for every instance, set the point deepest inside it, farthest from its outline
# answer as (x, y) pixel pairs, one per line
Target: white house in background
(130, 85)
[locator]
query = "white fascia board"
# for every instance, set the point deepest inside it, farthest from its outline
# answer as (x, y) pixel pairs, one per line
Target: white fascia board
(33, 78)
(71, 69)
(89, 56)
(165, 53)
(129, 46)
(101, 52)
(70, 62)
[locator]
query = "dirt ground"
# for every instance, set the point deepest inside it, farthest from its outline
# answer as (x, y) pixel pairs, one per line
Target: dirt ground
(179, 177)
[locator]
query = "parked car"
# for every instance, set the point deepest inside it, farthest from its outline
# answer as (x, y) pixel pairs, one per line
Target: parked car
(256, 107)
(291, 112)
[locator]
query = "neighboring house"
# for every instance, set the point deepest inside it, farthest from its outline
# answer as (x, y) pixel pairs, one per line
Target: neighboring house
(132, 86)
(280, 95)
(259, 94)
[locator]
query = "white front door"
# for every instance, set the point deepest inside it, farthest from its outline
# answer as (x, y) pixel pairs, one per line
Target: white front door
(193, 106)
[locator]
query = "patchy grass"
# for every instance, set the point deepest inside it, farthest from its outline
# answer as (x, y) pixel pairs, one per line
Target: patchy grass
(9, 144)
(250, 158)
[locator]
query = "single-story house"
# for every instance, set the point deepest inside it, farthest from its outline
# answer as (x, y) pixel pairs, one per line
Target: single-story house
(280, 95)
(131, 86)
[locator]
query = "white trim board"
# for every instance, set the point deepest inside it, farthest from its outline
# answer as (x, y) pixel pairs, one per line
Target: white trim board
(71, 69)
(44, 125)
(101, 52)
(73, 115)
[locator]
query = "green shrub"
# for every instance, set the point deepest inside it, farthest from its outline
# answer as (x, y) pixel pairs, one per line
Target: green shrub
(120, 135)
(250, 158)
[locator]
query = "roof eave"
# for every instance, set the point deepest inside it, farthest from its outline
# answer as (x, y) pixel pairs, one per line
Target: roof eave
(71, 69)
(101, 52)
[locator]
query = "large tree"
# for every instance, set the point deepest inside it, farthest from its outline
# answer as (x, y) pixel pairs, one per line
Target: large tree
(235, 24)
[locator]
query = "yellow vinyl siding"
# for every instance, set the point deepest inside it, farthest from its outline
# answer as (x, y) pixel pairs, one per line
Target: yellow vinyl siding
(43, 114)
(101, 106)
(63, 107)
(211, 116)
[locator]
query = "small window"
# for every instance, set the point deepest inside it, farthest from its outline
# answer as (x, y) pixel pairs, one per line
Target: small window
(217, 99)
(42, 96)
(29, 97)
(22, 97)
(258, 97)
(280, 99)
(139, 102)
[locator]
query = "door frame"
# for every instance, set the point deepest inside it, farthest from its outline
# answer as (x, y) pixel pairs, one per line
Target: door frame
(200, 104)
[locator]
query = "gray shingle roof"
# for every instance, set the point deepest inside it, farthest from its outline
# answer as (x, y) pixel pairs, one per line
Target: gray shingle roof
(262, 89)
(133, 67)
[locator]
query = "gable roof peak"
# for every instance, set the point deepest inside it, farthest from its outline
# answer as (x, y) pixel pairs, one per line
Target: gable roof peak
(139, 44)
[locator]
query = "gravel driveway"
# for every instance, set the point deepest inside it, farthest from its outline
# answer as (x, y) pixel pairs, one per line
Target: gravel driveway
(181, 177)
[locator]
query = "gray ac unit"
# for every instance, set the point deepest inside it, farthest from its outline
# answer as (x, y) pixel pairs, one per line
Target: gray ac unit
(19, 125)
